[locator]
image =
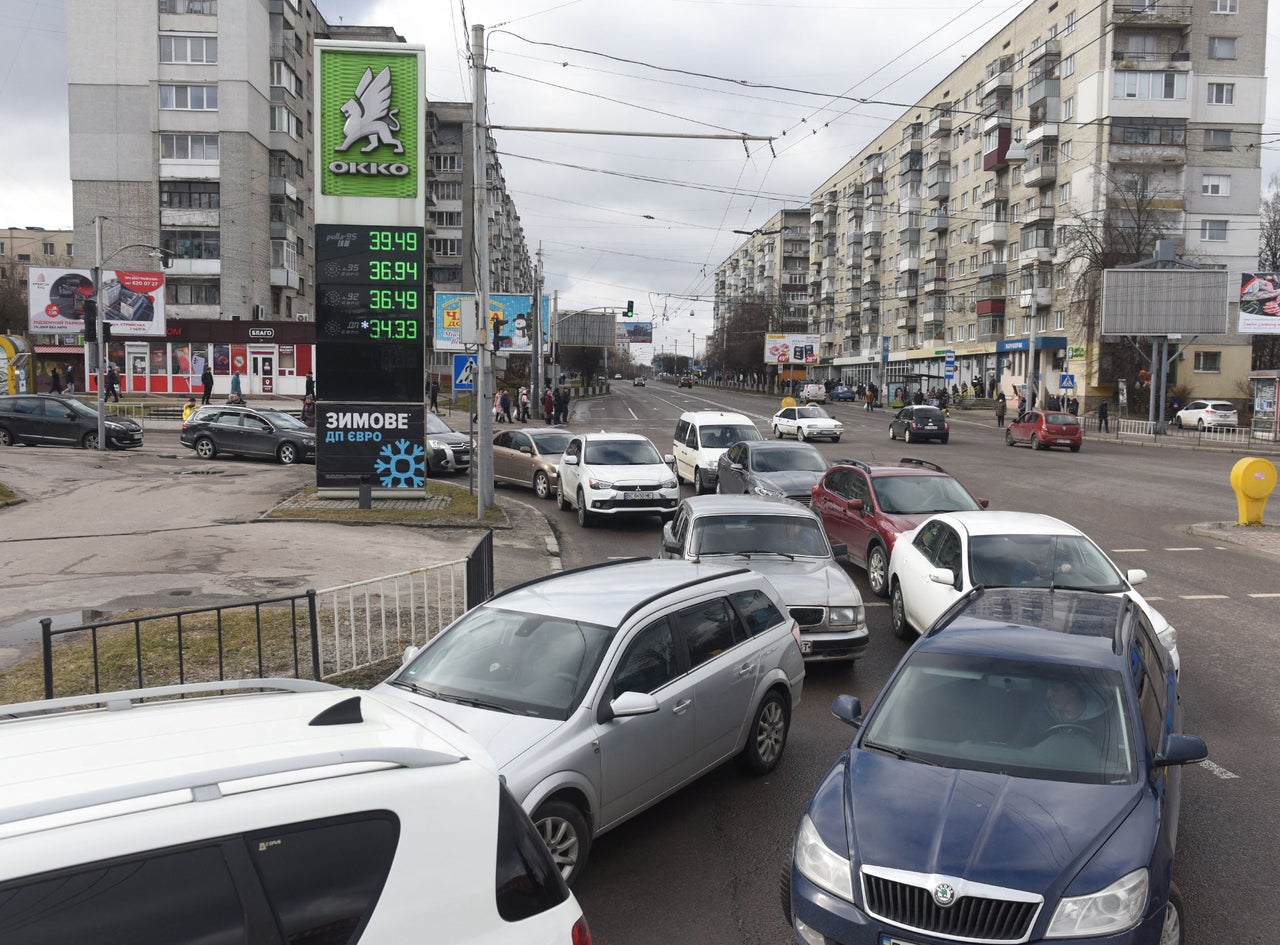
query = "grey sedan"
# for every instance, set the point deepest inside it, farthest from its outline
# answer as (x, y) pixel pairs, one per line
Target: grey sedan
(771, 469)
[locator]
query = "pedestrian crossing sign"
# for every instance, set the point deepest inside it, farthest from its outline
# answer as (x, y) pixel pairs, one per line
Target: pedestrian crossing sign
(464, 371)
(1067, 382)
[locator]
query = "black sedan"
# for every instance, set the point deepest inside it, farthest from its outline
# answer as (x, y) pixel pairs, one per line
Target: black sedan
(920, 422)
(769, 468)
(246, 431)
(54, 420)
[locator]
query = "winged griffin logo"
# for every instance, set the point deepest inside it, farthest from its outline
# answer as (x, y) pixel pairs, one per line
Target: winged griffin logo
(370, 115)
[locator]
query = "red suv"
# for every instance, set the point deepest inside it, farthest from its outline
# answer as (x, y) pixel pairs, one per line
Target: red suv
(1045, 428)
(867, 506)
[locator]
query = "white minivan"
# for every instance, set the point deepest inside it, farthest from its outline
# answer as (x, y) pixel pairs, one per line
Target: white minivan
(701, 437)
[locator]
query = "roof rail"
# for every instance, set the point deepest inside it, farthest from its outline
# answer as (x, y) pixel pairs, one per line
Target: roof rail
(851, 462)
(911, 461)
(203, 785)
(129, 698)
(701, 579)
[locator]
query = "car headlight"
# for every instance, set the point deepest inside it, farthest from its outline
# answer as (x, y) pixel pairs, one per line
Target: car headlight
(837, 426)
(820, 864)
(669, 484)
(845, 617)
(115, 426)
(768, 492)
(438, 444)
(1114, 909)
(599, 484)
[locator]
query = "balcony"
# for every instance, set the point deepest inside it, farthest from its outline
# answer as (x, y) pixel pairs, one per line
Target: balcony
(990, 307)
(935, 284)
(907, 320)
(1148, 153)
(1050, 49)
(816, 216)
(908, 288)
(989, 271)
(938, 127)
(910, 260)
(1039, 172)
(997, 194)
(289, 278)
(870, 326)
(937, 222)
(1041, 89)
(1170, 60)
(997, 119)
(872, 248)
(1035, 298)
(855, 201)
(998, 77)
(934, 309)
(991, 327)
(1045, 131)
(994, 234)
(1035, 256)
(1142, 14)
(909, 204)
(936, 252)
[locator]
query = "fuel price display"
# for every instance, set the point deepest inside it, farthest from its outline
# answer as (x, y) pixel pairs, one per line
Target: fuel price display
(370, 284)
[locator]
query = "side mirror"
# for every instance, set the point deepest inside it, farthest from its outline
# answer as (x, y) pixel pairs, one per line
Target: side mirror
(848, 710)
(1181, 750)
(855, 505)
(983, 503)
(409, 653)
(736, 467)
(1135, 575)
(528, 451)
(942, 576)
(627, 705)
(571, 460)
(669, 459)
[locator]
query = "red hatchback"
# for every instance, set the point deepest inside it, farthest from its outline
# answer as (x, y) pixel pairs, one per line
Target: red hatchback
(1045, 428)
(866, 506)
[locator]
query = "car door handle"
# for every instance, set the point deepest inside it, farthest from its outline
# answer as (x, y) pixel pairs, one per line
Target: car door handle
(745, 668)
(679, 707)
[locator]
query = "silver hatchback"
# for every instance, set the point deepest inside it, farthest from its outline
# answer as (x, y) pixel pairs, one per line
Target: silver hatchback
(602, 690)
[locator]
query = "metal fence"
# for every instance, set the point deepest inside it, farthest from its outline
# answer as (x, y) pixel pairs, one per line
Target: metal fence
(313, 635)
(1240, 438)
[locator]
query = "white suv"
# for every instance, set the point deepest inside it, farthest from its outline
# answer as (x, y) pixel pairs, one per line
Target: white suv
(701, 438)
(616, 474)
(299, 812)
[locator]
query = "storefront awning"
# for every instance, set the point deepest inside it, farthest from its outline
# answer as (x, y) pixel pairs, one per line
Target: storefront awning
(58, 349)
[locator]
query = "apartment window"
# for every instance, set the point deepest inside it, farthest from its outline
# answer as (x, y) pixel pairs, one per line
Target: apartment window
(1069, 23)
(1060, 277)
(182, 147)
(193, 98)
(973, 331)
(283, 120)
(1222, 47)
(192, 244)
(1059, 320)
(446, 190)
(1216, 185)
(1068, 108)
(197, 49)
(192, 293)
(1213, 231)
(1222, 93)
(1067, 67)
(1064, 192)
(1208, 362)
(446, 247)
(205, 7)
(1217, 139)
(1151, 85)
(190, 194)
(964, 168)
(47, 248)
(1170, 131)
(447, 217)
(1064, 151)
(2, 248)
(284, 77)
(1224, 6)
(1017, 98)
(449, 163)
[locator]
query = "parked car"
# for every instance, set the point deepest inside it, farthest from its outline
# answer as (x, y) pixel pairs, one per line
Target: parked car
(947, 555)
(785, 542)
(448, 451)
(810, 422)
(56, 420)
(843, 394)
(1207, 414)
(1017, 779)
(638, 382)
(920, 422)
(700, 439)
(298, 813)
(1042, 429)
(530, 457)
(866, 506)
(615, 474)
(770, 468)
(602, 690)
(248, 431)
(813, 394)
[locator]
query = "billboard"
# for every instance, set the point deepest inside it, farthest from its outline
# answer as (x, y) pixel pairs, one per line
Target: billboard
(638, 333)
(516, 336)
(1154, 302)
(791, 349)
(133, 302)
(1259, 303)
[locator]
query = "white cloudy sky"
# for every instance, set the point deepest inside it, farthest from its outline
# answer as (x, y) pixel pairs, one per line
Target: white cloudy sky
(617, 218)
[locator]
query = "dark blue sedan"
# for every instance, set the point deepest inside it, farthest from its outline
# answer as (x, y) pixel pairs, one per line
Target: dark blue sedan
(1016, 780)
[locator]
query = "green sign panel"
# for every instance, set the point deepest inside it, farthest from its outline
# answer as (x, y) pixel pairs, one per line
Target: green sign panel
(369, 108)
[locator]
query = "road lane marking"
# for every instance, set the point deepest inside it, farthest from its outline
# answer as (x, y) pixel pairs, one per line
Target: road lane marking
(1203, 597)
(1218, 771)
(1125, 551)
(1264, 595)
(1184, 549)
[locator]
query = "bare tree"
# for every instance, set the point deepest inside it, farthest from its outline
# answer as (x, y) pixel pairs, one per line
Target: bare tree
(1266, 348)
(738, 347)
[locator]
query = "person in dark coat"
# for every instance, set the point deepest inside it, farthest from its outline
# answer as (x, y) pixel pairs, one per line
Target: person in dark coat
(1104, 424)
(435, 394)
(1002, 408)
(206, 381)
(310, 390)
(55, 382)
(112, 390)
(548, 406)
(504, 402)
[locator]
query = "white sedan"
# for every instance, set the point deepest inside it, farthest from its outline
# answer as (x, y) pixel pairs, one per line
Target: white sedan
(949, 554)
(810, 422)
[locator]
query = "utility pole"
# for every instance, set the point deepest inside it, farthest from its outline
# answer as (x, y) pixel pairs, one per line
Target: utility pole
(485, 358)
(100, 354)
(535, 363)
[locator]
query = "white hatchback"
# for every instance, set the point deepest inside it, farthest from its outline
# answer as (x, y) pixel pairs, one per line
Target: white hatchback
(616, 474)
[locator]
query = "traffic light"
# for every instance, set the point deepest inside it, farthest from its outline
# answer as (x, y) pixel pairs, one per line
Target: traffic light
(498, 325)
(631, 309)
(90, 330)
(106, 332)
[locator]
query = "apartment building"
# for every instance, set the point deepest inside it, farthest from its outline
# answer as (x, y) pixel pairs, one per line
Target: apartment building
(946, 233)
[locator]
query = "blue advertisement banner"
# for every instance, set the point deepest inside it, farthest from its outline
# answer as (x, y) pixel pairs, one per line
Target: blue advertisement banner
(515, 310)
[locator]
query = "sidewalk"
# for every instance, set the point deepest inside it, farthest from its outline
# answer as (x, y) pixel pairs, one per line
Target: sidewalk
(1264, 538)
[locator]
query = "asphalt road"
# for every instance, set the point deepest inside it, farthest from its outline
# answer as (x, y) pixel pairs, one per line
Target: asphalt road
(704, 864)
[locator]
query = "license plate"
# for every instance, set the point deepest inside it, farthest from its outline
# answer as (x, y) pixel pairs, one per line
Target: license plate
(890, 940)
(806, 646)
(640, 496)
(1064, 442)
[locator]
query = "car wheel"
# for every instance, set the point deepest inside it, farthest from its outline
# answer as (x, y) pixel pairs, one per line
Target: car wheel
(892, 435)
(1177, 422)
(768, 736)
(898, 614)
(777, 431)
(699, 484)
(1075, 449)
(584, 517)
(906, 435)
(835, 439)
(1008, 438)
(6, 438)
(541, 485)
(561, 502)
(287, 454)
(1035, 442)
(205, 448)
(90, 440)
(1200, 425)
(878, 570)
(800, 435)
(944, 438)
(564, 831)
(1174, 913)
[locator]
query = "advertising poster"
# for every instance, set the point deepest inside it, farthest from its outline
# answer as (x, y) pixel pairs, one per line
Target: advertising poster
(515, 310)
(791, 349)
(638, 333)
(221, 358)
(1259, 303)
(381, 444)
(133, 302)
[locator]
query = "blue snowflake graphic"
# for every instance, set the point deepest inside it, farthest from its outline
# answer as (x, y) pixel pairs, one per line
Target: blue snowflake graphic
(402, 466)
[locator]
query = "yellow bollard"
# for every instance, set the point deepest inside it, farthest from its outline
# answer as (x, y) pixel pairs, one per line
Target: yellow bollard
(1253, 479)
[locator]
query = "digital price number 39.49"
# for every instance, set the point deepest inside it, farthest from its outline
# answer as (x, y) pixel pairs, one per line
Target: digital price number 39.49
(370, 283)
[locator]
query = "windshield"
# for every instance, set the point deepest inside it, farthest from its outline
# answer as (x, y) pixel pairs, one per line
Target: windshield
(436, 425)
(527, 664)
(811, 413)
(1026, 719)
(784, 460)
(721, 438)
(914, 495)
(622, 453)
(759, 534)
(551, 442)
(1041, 561)
(283, 421)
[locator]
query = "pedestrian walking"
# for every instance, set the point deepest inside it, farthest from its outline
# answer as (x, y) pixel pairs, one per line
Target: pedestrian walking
(206, 381)
(435, 395)
(71, 378)
(524, 405)
(1073, 407)
(55, 382)
(235, 388)
(1104, 424)
(1002, 407)
(504, 401)
(870, 399)
(309, 411)
(548, 406)
(562, 405)
(310, 389)
(112, 385)
(497, 406)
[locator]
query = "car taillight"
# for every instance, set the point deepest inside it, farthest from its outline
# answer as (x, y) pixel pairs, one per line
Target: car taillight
(581, 933)
(795, 631)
